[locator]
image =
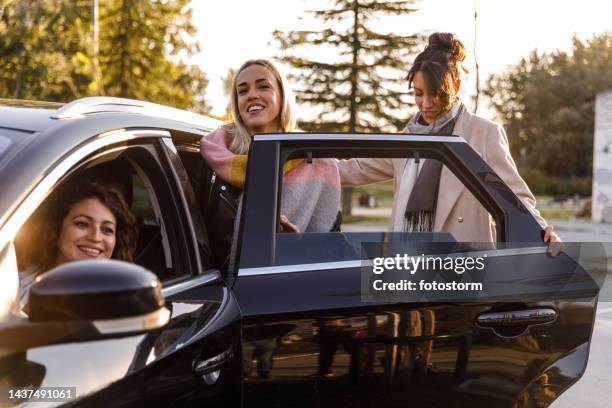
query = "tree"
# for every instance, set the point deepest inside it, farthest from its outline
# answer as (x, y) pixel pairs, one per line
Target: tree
(365, 89)
(546, 104)
(41, 49)
(46, 51)
(228, 81)
(141, 41)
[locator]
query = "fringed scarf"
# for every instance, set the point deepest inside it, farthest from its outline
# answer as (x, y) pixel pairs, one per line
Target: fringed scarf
(421, 206)
(311, 191)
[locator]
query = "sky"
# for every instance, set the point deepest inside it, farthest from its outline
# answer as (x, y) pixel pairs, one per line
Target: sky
(232, 31)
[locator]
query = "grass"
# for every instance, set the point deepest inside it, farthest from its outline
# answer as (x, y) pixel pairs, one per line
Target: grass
(547, 214)
(383, 191)
(557, 213)
(350, 219)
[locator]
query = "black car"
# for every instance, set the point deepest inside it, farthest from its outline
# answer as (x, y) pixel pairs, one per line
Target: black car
(286, 324)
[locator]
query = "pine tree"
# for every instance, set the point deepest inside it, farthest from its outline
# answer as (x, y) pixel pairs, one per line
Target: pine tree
(364, 89)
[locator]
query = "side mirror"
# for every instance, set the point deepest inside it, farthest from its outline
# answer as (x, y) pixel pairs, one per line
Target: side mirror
(115, 297)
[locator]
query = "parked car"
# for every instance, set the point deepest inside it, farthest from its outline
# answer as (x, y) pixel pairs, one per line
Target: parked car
(286, 324)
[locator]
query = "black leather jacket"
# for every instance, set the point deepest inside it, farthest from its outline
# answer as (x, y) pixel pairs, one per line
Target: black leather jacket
(218, 202)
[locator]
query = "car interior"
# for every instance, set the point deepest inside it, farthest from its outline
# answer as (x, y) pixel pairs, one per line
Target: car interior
(140, 197)
(366, 225)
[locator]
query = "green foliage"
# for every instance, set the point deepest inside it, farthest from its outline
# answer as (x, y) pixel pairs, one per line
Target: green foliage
(542, 184)
(46, 49)
(365, 88)
(39, 48)
(139, 53)
(546, 103)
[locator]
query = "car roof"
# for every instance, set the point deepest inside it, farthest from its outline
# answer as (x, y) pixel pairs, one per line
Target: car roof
(36, 135)
(26, 116)
(33, 116)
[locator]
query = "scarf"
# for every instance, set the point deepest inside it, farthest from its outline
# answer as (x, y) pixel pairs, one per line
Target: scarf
(310, 192)
(420, 213)
(231, 167)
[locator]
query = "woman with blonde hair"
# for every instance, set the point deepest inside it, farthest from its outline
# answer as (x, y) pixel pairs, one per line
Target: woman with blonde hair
(261, 103)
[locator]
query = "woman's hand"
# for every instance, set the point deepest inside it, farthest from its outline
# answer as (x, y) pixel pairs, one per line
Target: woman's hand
(553, 240)
(287, 226)
(549, 235)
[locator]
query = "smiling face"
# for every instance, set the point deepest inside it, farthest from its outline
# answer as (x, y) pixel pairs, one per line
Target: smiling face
(88, 232)
(259, 99)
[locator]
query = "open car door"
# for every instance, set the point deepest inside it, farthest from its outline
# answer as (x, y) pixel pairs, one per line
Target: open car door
(315, 333)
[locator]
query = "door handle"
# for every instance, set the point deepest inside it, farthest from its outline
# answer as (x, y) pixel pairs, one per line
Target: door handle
(524, 317)
(210, 369)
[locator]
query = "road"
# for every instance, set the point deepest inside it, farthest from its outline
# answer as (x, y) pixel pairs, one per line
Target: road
(592, 390)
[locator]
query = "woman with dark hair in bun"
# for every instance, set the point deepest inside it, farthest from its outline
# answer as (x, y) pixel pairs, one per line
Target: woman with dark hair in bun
(428, 197)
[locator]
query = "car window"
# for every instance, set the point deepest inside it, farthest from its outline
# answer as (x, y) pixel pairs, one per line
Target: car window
(142, 205)
(311, 204)
(141, 182)
(191, 163)
(154, 250)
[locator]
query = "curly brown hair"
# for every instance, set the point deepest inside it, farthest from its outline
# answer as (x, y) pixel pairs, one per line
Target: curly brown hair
(46, 223)
(441, 64)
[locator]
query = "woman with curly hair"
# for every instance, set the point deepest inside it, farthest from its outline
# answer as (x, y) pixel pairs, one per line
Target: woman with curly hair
(80, 220)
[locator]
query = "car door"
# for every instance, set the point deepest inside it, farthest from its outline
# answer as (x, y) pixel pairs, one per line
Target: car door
(313, 334)
(193, 359)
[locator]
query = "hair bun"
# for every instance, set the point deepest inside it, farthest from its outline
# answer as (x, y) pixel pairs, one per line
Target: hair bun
(449, 43)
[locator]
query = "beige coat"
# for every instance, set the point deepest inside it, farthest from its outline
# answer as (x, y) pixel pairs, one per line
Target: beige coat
(457, 211)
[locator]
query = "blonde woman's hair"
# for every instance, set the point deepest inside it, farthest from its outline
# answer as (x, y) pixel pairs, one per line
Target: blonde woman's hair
(241, 136)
